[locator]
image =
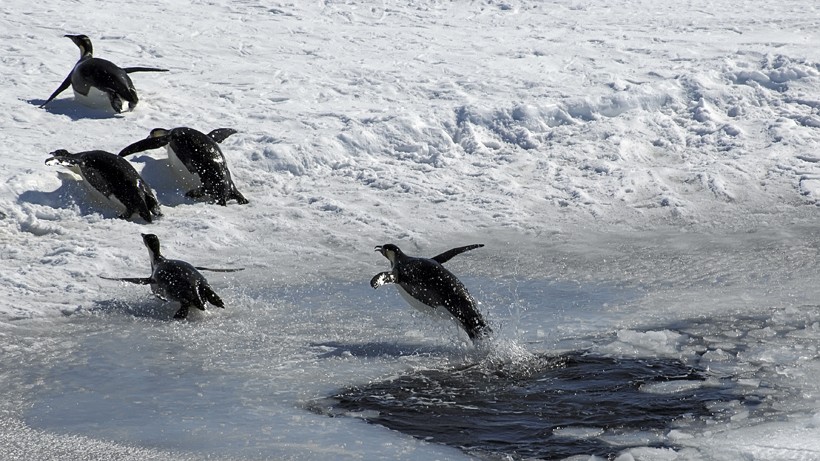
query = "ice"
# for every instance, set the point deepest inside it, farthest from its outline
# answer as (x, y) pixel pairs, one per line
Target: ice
(645, 178)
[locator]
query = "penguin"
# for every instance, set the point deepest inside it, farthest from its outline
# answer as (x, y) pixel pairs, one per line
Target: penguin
(114, 178)
(427, 286)
(100, 83)
(175, 280)
(198, 158)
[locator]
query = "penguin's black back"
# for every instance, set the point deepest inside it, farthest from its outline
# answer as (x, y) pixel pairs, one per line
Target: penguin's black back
(105, 76)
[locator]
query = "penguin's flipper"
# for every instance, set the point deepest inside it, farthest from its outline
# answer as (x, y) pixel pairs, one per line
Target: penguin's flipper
(145, 144)
(63, 86)
(137, 280)
(218, 270)
(381, 278)
(131, 70)
(447, 255)
(220, 134)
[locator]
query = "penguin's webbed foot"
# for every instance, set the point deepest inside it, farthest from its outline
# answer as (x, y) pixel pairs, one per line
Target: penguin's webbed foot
(146, 215)
(197, 193)
(240, 199)
(116, 101)
(182, 313)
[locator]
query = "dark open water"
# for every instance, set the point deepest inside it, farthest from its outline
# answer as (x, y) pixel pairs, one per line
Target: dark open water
(545, 407)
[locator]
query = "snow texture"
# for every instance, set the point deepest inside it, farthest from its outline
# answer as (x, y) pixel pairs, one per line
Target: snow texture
(667, 148)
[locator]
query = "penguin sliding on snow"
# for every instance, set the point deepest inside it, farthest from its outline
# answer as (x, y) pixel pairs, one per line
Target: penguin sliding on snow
(175, 280)
(100, 83)
(197, 154)
(427, 286)
(114, 178)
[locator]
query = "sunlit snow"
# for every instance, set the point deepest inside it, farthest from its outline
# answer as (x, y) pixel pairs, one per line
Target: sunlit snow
(644, 175)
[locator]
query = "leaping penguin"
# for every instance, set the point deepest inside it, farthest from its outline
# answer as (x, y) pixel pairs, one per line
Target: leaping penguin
(196, 156)
(427, 286)
(100, 83)
(176, 280)
(114, 178)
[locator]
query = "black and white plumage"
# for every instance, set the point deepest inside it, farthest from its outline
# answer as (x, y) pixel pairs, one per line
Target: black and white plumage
(113, 178)
(100, 83)
(427, 286)
(196, 156)
(176, 280)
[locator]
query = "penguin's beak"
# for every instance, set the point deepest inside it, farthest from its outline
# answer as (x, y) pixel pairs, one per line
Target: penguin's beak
(57, 157)
(379, 249)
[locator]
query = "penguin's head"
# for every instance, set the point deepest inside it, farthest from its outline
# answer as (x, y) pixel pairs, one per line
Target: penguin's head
(158, 133)
(83, 43)
(61, 157)
(151, 242)
(390, 251)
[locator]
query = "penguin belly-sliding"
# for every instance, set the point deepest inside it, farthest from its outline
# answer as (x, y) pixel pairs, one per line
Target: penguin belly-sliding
(95, 195)
(98, 83)
(430, 288)
(177, 281)
(102, 85)
(112, 180)
(197, 159)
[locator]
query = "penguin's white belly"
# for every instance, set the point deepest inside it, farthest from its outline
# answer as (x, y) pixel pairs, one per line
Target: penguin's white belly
(96, 99)
(188, 179)
(97, 196)
(438, 312)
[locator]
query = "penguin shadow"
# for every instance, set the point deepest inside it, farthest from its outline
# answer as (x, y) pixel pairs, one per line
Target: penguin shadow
(169, 188)
(377, 349)
(71, 194)
(147, 308)
(73, 109)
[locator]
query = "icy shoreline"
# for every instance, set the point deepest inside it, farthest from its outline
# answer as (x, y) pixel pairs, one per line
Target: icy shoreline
(667, 149)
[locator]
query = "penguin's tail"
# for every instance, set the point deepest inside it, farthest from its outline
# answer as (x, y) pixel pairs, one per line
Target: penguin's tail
(477, 328)
(208, 294)
(236, 195)
(480, 332)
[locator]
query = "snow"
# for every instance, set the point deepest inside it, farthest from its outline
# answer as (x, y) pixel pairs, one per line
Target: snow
(645, 178)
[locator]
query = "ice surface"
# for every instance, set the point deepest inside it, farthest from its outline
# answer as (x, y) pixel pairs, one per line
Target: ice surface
(645, 178)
